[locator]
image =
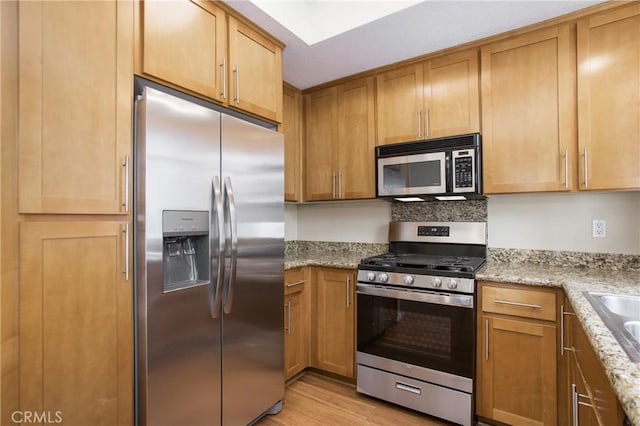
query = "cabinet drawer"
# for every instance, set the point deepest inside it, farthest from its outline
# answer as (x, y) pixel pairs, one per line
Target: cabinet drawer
(519, 302)
(294, 281)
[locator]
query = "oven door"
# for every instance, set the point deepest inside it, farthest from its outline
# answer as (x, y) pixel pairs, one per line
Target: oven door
(412, 174)
(422, 328)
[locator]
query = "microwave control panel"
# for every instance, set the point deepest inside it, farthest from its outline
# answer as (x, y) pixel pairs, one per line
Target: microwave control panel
(464, 171)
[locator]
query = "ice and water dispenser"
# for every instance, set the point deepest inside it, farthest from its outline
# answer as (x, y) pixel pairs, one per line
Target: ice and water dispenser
(185, 249)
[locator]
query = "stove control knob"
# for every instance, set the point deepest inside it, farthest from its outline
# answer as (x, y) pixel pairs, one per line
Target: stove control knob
(452, 284)
(383, 277)
(437, 282)
(408, 280)
(371, 276)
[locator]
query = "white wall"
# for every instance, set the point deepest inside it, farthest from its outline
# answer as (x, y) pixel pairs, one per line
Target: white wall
(564, 222)
(348, 221)
(542, 222)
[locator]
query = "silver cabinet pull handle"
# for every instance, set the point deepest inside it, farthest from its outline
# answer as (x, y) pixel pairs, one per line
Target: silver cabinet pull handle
(522, 305)
(333, 185)
(563, 348)
(486, 340)
(566, 169)
(408, 388)
(426, 123)
(586, 168)
(348, 291)
(125, 190)
(289, 317)
(217, 221)
(223, 77)
(295, 283)
(231, 208)
(126, 251)
(236, 71)
(340, 193)
(419, 124)
(574, 405)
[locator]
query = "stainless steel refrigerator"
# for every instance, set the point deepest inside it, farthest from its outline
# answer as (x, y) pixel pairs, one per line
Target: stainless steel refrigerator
(209, 264)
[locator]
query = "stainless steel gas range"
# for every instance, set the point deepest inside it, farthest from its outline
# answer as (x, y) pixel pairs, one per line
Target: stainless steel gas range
(416, 318)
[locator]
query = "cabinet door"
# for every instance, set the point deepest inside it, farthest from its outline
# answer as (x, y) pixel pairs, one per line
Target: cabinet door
(255, 78)
(295, 338)
(451, 95)
(292, 129)
(528, 112)
(76, 322)
(400, 101)
(75, 106)
(321, 174)
(609, 99)
(356, 139)
(335, 342)
(517, 371)
(183, 43)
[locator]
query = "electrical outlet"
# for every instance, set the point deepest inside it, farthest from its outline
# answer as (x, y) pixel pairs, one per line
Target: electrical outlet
(599, 228)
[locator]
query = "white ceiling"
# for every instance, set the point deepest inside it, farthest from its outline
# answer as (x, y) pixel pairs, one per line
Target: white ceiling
(420, 29)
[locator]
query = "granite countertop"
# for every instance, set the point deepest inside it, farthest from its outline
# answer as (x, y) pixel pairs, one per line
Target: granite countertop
(623, 373)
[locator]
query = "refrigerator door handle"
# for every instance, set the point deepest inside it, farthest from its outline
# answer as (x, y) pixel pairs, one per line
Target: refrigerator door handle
(233, 224)
(217, 220)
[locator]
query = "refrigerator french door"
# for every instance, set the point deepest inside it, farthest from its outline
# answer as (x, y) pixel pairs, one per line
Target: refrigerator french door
(209, 264)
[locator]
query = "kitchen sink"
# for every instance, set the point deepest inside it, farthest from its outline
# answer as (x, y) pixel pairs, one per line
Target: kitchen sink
(621, 314)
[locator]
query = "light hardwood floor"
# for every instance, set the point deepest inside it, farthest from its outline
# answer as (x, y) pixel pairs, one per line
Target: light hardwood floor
(318, 400)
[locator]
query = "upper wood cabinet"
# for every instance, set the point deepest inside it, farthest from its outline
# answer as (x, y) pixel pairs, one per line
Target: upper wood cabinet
(528, 112)
(76, 322)
(334, 321)
(292, 129)
(428, 100)
(609, 99)
(195, 45)
(452, 95)
(255, 71)
(321, 141)
(184, 43)
(340, 142)
(75, 106)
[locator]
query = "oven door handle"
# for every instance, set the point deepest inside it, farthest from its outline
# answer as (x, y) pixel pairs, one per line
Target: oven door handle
(459, 300)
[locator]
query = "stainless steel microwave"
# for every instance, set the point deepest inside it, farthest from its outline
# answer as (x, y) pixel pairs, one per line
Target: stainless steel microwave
(436, 169)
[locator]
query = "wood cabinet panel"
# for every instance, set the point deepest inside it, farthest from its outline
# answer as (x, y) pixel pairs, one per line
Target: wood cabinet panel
(184, 43)
(321, 144)
(75, 106)
(255, 63)
(518, 371)
(356, 139)
(528, 112)
(335, 321)
(609, 99)
(452, 95)
(399, 104)
(292, 129)
(76, 322)
(296, 335)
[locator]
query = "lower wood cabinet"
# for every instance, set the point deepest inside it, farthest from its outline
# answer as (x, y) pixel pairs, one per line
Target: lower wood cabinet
(517, 378)
(590, 397)
(296, 322)
(333, 321)
(76, 322)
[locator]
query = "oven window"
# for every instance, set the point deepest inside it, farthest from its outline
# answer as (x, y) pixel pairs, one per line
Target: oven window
(429, 335)
(410, 175)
